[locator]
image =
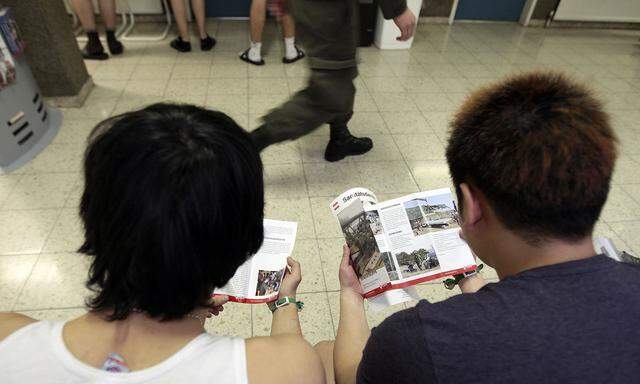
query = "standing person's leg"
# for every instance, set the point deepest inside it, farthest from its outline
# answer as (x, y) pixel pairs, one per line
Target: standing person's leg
(182, 42)
(291, 52)
(93, 50)
(257, 19)
(108, 13)
(84, 10)
(206, 41)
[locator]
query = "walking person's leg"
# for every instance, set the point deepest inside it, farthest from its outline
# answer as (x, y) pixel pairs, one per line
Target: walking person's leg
(257, 19)
(328, 98)
(206, 42)
(108, 13)
(181, 43)
(93, 50)
(341, 142)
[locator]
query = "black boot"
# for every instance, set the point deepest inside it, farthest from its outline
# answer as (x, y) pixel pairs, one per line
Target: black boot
(94, 49)
(343, 144)
(260, 138)
(115, 47)
(180, 45)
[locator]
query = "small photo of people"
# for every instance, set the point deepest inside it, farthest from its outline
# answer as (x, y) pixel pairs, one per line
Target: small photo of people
(418, 261)
(268, 282)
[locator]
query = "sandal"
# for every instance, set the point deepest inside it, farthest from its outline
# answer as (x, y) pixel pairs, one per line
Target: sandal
(244, 56)
(299, 56)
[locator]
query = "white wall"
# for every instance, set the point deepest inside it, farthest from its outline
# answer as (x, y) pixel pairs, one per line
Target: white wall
(599, 10)
(143, 7)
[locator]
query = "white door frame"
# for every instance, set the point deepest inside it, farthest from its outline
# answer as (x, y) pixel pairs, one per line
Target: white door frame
(527, 12)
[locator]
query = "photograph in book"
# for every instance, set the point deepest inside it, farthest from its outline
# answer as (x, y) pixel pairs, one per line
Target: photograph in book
(268, 282)
(432, 214)
(417, 219)
(419, 259)
(365, 255)
(390, 266)
(374, 222)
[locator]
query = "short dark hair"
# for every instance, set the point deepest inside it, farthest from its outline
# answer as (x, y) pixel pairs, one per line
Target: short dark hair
(173, 204)
(540, 148)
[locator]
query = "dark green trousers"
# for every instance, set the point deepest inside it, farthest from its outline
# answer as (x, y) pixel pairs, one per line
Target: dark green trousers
(327, 30)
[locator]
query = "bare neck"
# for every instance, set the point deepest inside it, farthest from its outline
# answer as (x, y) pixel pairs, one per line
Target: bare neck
(518, 256)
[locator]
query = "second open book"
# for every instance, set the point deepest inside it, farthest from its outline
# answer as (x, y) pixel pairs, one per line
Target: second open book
(258, 279)
(404, 241)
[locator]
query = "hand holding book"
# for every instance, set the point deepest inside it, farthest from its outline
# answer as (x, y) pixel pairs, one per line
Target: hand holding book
(291, 280)
(347, 275)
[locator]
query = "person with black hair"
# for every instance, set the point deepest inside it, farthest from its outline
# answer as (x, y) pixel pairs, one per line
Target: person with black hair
(94, 49)
(173, 204)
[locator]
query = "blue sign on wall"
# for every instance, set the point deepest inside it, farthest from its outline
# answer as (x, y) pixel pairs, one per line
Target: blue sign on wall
(500, 10)
(228, 8)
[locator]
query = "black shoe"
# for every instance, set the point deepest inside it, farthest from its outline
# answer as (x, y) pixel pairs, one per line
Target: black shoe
(115, 47)
(94, 49)
(338, 149)
(207, 43)
(94, 55)
(180, 45)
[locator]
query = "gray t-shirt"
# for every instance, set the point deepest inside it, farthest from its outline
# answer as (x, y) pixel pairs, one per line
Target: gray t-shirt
(575, 322)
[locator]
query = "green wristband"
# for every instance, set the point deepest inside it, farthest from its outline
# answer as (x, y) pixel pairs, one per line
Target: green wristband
(451, 283)
(283, 302)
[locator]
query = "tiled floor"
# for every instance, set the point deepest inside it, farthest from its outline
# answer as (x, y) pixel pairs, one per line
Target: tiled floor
(405, 99)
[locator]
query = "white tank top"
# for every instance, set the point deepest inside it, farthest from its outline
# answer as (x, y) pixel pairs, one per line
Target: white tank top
(37, 354)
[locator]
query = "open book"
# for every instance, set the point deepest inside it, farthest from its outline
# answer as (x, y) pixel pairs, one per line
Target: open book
(402, 242)
(258, 279)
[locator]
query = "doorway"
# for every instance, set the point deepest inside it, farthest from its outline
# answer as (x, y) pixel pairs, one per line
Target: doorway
(494, 10)
(228, 8)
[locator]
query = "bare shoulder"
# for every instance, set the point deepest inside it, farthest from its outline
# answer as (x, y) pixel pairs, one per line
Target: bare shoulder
(11, 322)
(285, 358)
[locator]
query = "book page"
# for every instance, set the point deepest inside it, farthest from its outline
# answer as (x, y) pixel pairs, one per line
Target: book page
(358, 228)
(259, 278)
(268, 267)
(393, 297)
(238, 286)
(422, 234)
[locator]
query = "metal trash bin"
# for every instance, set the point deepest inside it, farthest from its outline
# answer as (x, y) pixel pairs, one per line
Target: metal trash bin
(27, 125)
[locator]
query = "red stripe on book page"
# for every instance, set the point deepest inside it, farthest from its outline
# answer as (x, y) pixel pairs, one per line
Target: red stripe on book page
(390, 286)
(245, 300)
